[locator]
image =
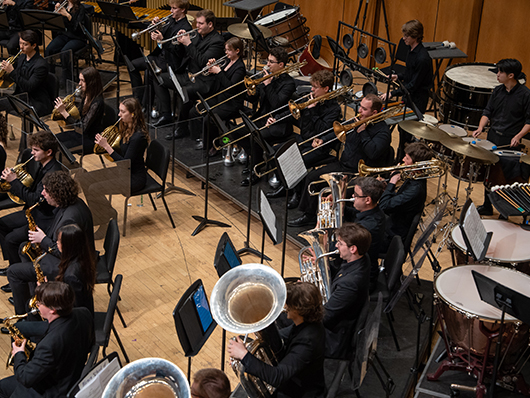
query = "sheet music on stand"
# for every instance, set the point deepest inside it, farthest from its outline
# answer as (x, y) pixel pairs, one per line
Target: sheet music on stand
(94, 383)
(268, 219)
(177, 84)
(290, 164)
(475, 236)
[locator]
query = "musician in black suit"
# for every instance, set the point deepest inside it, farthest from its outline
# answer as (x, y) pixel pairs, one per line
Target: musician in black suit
(163, 54)
(60, 356)
(14, 226)
(349, 289)
(196, 53)
(300, 369)
(14, 18)
(31, 73)
(60, 191)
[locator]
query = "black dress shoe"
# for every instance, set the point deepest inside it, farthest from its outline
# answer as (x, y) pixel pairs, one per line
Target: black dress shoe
(305, 220)
(4, 330)
(3, 271)
(278, 192)
(485, 210)
(294, 201)
(6, 288)
(163, 121)
(11, 300)
(255, 179)
(246, 170)
(199, 145)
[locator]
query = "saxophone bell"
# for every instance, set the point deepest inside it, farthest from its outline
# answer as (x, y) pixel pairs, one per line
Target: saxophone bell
(18, 337)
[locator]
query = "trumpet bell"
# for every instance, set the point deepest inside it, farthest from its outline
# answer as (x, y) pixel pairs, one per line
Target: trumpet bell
(248, 298)
(148, 377)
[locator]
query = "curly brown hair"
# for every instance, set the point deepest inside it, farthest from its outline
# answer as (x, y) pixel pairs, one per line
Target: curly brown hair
(61, 187)
(134, 107)
(305, 298)
(44, 140)
(3, 130)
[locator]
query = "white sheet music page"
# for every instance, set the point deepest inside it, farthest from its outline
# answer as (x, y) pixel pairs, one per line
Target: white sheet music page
(95, 382)
(268, 215)
(176, 83)
(474, 229)
(292, 166)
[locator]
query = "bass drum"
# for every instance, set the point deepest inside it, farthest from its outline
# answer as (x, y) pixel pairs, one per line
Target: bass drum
(325, 61)
(466, 318)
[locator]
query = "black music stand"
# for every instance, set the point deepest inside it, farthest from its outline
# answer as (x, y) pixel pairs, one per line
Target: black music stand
(4, 23)
(204, 221)
(42, 20)
(508, 301)
(193, 320)
(270, 223)
(255, 137)
(249, 6)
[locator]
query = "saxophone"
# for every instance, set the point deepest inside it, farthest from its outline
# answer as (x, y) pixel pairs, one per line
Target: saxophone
(69, 105)
(40, 277)
(18, 337)
(22, 174)
(33, 251)
(112, 134)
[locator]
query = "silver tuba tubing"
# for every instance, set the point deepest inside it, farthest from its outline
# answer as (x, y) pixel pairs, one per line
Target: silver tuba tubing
(330, 214)
(148, 377)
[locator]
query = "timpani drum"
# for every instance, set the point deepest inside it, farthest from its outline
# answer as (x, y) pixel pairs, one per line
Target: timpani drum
(467, 319)
(287, 23)
(508, 246)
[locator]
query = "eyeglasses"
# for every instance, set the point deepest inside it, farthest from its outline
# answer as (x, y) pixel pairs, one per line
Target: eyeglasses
(272, 62)
(359, 196)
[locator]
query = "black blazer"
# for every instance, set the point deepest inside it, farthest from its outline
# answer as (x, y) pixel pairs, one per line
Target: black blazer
(173, 54)
(31, 77)
(235, 74)
(59, 357)
(134, 149)
(274, 95)
(200, 51)
(300, 371)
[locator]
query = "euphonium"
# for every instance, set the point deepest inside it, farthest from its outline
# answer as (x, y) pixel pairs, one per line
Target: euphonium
(69, 104)
(330, 214)
(18, 337)
(23, 176)
(33, 251)
(11, 60)
(112, 134)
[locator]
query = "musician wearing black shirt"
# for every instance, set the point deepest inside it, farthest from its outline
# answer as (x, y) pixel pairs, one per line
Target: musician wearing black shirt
(14, 19)
(508, 113)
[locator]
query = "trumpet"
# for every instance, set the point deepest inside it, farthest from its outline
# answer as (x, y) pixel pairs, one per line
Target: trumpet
(221, 62)
(173, 40)
(63, 4)
(151, 28)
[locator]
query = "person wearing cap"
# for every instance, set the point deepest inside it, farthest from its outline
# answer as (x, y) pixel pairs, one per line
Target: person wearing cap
(508, 113)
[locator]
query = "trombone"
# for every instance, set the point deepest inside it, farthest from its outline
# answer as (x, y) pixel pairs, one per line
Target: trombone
(173, 40)
(221, 62)
(297, 109)
(151, 28)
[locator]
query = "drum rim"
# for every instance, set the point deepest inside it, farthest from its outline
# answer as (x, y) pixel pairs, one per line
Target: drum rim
(502, 261)
(467, 313)
(454, 83)
(286, 11)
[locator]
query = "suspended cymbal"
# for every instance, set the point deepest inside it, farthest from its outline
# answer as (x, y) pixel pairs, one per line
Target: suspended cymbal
(422, 130)
(469, 150)
(241, 30)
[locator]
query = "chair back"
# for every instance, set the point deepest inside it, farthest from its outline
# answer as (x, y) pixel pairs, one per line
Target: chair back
(52, 87)
(412, 231)
(394, 259)
(111, 245)
(109, 116)
(111, 310)
(157, 159)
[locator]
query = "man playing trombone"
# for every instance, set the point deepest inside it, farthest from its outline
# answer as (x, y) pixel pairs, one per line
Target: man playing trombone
(163, 54)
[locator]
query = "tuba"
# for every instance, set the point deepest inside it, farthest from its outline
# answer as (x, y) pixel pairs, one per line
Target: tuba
(148, 377)
(17, 336)
(69, 104)
(112, 134)
(25, 178)
(33, 251)
(248, 299)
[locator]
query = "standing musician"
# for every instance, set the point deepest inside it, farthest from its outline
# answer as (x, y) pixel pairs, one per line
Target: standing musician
(401, 205)
(508, 112)
(231, 74)
(272, 94)
(14, 19)
(313, 120)
(417, 78)
(31, 73)
(368, 142)
(196, 52)
(60, 191)
(300, 369)
(349, 290)
(14, 226)
(60, 356)
(92, 112)
(163, 54)
(72, 38)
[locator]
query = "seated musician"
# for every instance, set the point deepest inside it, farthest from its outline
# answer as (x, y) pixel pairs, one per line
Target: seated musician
(370, 143)
(196, 52)
(60, 356)
(210, 383)
(31, 73)
(14, 226)
(92, 109)
(403, 204)
(60, 191)
(3, 146)
(300, 369)
(72, 38)
(314, 119)
(271, 95)
(233, 73)
(163, 54)
(349, 289)
(14, 18)
(508, 113)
